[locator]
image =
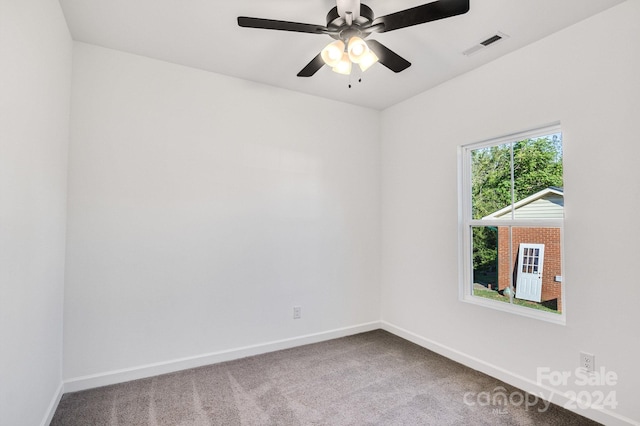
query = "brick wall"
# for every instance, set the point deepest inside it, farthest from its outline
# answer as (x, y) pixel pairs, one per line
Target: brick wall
(550, 237)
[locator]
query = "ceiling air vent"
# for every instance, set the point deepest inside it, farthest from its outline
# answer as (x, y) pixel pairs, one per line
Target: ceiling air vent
(486, 43)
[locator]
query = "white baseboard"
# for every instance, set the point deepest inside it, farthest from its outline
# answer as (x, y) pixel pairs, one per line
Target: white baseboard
(604, 416)
(53, 405)
(150, 370)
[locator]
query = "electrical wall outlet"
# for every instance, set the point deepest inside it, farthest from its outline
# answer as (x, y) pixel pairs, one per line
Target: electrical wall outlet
(588, 362)
(297, 312)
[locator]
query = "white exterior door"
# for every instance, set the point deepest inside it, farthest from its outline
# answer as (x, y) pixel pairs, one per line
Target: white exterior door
(529, 282)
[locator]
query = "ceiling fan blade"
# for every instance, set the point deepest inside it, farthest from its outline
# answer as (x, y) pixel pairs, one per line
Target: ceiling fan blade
(420, 14)
(312, 67)
(272, 24)
(387, 57)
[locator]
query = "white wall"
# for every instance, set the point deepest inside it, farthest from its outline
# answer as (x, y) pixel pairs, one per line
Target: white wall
(587, 77)
(202, 208)
(35, 80)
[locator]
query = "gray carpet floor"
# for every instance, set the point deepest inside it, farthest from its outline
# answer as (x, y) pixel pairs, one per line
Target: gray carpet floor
(373, 378)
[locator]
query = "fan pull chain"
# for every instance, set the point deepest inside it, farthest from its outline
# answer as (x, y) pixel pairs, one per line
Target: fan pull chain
(359, 79)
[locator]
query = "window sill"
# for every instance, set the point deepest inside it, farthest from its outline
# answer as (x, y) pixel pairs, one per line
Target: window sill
(516, 310)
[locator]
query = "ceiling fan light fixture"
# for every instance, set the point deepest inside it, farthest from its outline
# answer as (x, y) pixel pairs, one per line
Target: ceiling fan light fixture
(333, 53)
(357, 49)
(344, 65)
(367, 60)
(352, 18)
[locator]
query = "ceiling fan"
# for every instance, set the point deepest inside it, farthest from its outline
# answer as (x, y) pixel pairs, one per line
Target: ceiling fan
(350, 22)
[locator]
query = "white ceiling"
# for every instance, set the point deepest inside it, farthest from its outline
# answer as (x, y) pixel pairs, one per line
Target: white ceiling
(204, 34)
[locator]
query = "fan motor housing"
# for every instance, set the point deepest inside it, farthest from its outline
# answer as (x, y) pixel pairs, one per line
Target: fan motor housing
(338, 28)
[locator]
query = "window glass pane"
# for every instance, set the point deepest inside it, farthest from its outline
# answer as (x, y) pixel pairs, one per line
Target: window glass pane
(485, 263)
(536, 254)
(537, 173)
(490, 179)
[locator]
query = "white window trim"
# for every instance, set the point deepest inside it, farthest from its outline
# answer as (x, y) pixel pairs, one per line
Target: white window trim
(465, 264)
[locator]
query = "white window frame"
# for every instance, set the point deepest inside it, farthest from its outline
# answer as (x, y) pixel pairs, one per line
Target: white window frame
(466, 222)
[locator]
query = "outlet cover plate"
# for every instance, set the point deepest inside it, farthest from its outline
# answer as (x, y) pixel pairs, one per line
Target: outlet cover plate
(587, 362)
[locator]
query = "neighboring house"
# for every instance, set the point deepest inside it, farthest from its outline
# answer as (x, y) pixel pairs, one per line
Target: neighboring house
(536, 254)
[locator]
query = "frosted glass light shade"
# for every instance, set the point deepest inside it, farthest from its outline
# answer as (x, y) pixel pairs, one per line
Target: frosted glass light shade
(357, 49)
(344, 66)
(332, 54)
(367, 60)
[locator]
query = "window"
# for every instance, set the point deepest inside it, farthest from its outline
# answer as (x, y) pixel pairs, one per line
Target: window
(511, 222)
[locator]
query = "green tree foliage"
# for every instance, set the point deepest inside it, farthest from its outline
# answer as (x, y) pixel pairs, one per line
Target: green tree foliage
(537, 164)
